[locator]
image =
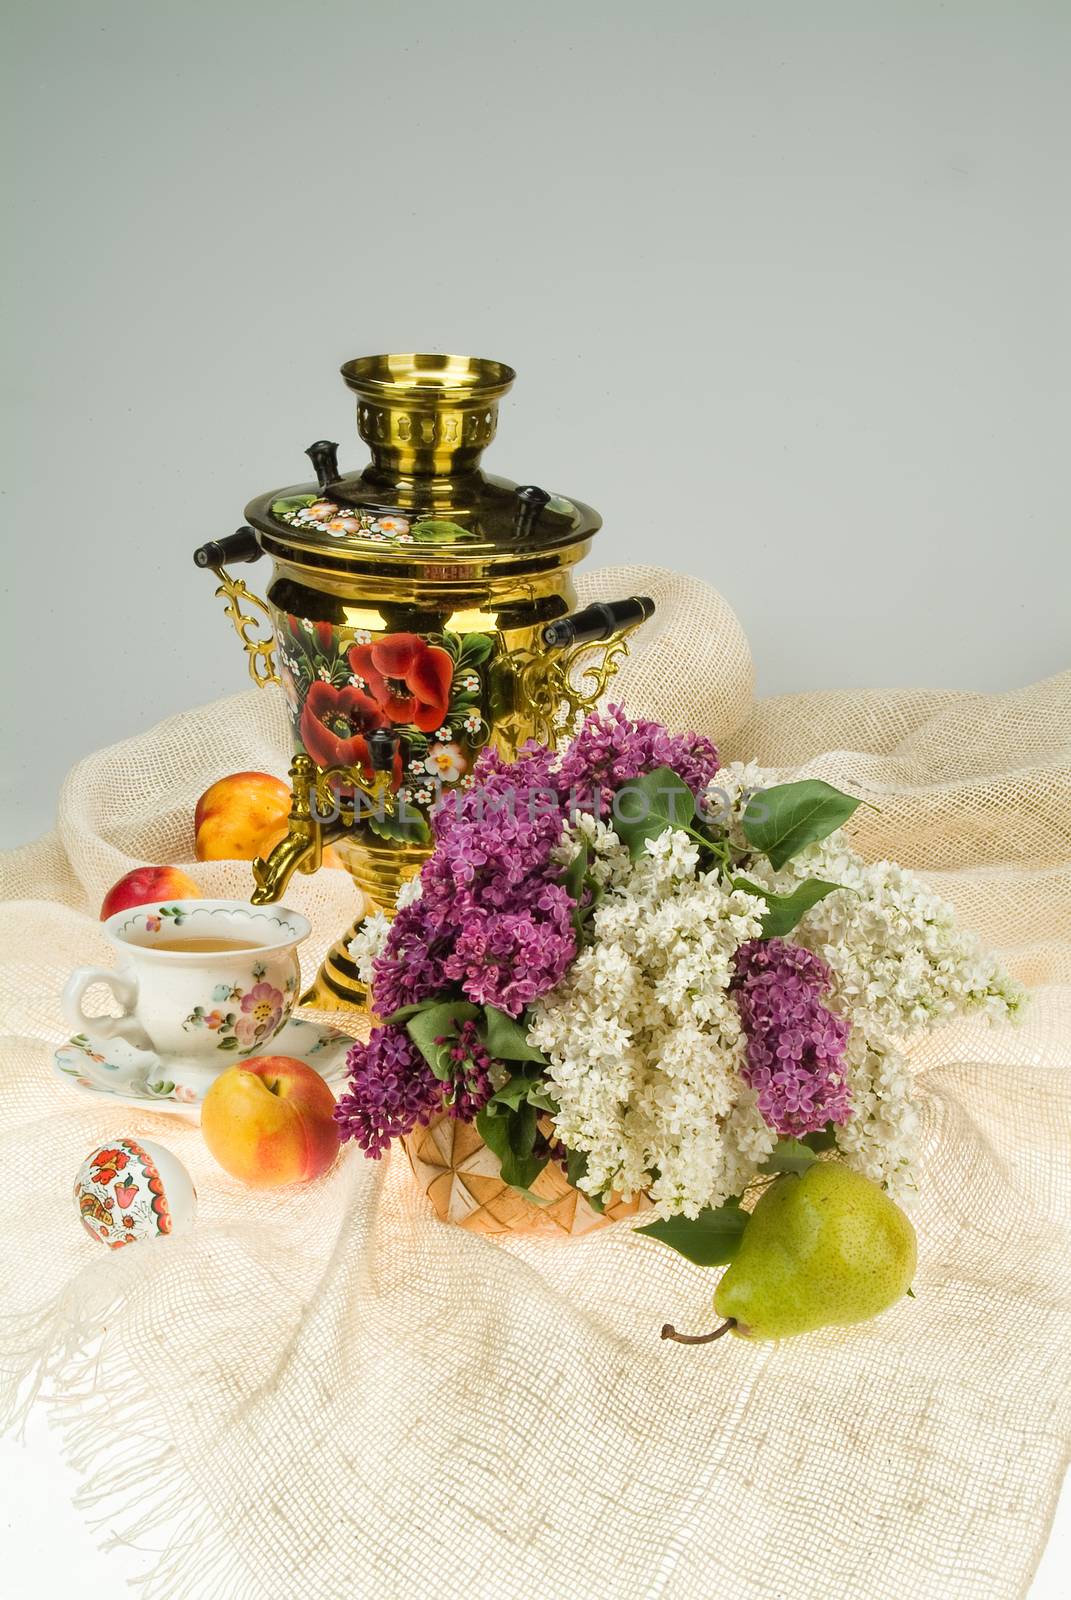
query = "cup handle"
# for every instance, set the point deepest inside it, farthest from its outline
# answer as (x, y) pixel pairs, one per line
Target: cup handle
(125, 990)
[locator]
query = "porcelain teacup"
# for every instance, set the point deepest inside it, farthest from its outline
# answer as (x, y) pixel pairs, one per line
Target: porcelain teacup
(210, 981)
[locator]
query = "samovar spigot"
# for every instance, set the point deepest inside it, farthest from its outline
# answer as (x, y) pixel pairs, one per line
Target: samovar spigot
(302, 845)
(324, 802)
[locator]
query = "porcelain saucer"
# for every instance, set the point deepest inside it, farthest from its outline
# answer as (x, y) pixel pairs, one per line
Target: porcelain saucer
(169, 1083)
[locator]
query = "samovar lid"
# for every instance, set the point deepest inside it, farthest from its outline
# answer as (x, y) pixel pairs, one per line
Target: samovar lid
(426, 420)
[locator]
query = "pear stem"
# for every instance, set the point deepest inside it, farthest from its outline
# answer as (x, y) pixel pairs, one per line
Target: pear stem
(670, 1332)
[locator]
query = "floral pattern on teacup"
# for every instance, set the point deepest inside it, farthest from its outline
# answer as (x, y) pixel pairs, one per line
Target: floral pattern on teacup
(165, 914)
(261, 1011)
(171, 1083)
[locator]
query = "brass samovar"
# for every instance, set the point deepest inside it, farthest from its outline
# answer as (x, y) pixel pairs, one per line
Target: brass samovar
(417, 611)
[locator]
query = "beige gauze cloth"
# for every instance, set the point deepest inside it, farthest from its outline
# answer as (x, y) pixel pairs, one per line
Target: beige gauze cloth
(327, 1392)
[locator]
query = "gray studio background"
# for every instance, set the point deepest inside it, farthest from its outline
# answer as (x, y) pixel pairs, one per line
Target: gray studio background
(786, 287)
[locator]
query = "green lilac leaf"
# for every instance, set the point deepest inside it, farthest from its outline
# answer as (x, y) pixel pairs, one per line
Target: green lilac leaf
(511, 1136)
(824, 1139)
(506, 1038)
(789, 1155)
(403, 1013)
(511, 1094)
(782, 821)
(575, 873)
(573, 882)
(437, 1022)
(443, 1065)
(708, 1239)
(644, 808)
(783, 911)
(576, 1167)
(540, 1097)
(527, 1083)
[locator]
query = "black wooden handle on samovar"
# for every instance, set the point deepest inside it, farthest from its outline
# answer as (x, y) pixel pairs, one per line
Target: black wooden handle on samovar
(240, 546)
(601, 620)
(324, 457)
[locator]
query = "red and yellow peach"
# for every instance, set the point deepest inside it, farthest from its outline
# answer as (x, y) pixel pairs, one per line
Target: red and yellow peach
(270, 1121)
(242, 816)
(147, 886)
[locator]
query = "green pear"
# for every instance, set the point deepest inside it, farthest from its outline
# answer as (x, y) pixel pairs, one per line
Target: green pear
(825, 1247)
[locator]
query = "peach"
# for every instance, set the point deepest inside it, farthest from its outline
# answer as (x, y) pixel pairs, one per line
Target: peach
(236, 817)
(145, 885)
(244, 816)
(271, 1121)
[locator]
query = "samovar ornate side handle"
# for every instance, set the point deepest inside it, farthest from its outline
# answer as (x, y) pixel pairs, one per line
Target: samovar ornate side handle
(553, 686)
(324, 803)
(242, 546)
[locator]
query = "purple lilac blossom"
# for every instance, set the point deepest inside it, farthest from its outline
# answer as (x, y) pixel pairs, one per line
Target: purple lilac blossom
(795, 1044)
(471, 1085)
(490, 920)
(610, 751)
(391, 1090)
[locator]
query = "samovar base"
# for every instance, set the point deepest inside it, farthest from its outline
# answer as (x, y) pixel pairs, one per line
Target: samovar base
(337, 986)
(379, 874)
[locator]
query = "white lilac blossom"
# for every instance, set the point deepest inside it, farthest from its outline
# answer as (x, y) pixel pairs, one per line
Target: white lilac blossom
(898, 960)
(409, 891)
(644, 1040)
(880, 1138)
(646, 1051)
(369, 941)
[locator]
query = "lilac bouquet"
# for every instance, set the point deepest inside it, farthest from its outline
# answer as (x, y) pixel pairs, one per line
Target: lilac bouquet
(658, 973)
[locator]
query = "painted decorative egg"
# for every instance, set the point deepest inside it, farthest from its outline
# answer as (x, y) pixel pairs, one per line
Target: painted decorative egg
(133, 1189)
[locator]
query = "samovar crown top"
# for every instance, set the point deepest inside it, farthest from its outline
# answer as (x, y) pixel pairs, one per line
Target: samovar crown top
(428, 381)
(427, 416)
(426, 420)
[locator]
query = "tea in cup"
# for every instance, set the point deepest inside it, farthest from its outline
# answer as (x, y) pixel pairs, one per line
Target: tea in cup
(209, 981)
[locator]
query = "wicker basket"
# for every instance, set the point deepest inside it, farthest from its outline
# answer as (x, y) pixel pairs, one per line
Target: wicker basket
(462, 1179)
